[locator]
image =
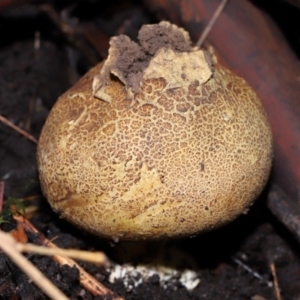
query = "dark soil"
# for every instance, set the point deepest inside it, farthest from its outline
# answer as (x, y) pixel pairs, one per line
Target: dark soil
(38, 63)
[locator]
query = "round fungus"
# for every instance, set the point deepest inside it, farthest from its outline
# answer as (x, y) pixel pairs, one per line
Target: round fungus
(158, 141)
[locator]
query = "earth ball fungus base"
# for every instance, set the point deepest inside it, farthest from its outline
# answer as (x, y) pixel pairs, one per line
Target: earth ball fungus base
(158, 141)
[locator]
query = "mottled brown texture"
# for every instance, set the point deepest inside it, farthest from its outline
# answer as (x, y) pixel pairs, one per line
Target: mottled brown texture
(251, 44)
(162, 164)
(176, 158)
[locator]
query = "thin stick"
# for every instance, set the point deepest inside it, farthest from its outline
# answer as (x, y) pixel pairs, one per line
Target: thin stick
(8, 245)
(86, 280)
(211, 23)
(93, 257)
(18, 129)
(275, 281)
(2, 186)
(255, 274)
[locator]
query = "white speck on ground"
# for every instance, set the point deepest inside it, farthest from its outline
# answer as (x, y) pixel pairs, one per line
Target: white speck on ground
(133, 276)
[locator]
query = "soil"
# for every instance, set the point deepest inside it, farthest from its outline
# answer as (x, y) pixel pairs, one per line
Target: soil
(37, 64)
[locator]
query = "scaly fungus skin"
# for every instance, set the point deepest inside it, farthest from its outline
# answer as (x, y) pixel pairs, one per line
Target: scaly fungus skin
(151, 160)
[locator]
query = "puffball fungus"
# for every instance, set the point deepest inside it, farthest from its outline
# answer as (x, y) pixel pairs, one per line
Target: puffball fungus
(158, 141)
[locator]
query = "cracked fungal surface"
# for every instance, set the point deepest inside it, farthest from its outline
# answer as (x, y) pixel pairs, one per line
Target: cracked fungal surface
(159, 162)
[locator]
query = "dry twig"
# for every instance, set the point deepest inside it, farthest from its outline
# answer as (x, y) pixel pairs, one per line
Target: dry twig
(86, 280)
(9, 246)
(252, 272)
(19, 235)
(275, 281)
(93, 257)
(211, 23)
(2, 185)
(18, 129)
